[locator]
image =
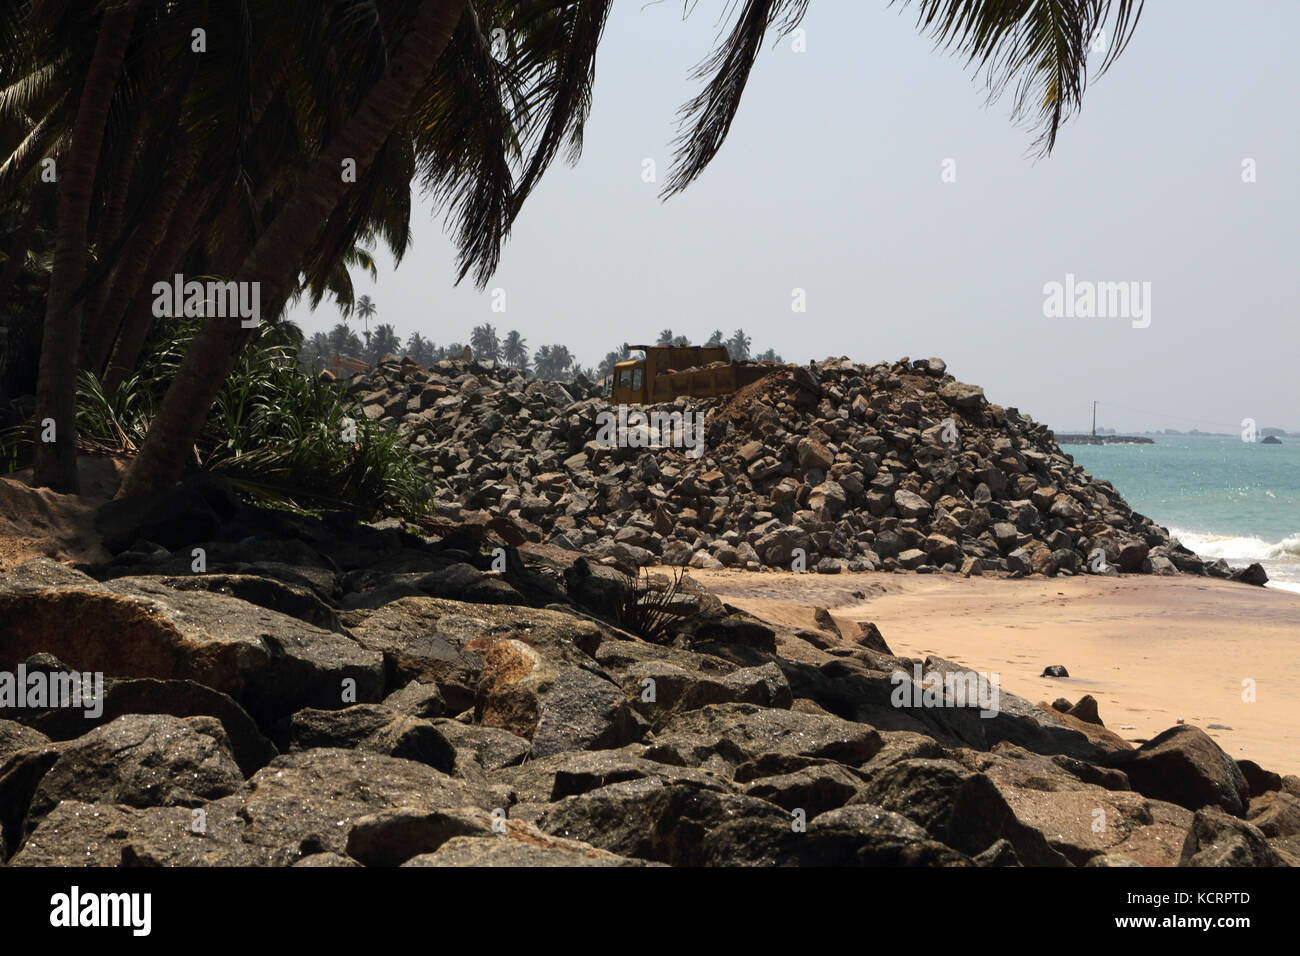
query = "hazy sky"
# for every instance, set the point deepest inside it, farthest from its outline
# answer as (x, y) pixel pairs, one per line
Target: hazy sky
(831, 182)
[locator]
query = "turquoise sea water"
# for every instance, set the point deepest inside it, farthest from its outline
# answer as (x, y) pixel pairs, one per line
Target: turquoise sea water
(1224, 498)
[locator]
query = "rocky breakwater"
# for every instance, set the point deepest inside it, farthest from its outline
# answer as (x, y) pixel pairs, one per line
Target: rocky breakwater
(829, 467)
(328, 693)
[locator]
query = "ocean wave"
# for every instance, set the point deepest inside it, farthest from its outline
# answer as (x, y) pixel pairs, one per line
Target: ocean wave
(1240, 547)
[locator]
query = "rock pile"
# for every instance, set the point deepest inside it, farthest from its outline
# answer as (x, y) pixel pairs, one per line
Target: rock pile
(323, 693)
(829, 467)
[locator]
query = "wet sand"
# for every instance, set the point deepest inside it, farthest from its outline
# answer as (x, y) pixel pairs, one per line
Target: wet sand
(1149, 649)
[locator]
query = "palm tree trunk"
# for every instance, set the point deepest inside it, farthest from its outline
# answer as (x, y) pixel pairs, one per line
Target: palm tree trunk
(56, 384)
(276, 257)
(141, 252)
(138, 318)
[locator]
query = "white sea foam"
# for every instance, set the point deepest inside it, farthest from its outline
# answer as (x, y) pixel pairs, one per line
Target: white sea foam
(1240, 547)
(1280, 559)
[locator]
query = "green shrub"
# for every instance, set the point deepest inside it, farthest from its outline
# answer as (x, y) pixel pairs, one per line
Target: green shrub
(276, 431)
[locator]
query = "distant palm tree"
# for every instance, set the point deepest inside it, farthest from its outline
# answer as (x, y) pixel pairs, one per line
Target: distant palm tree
(367, 309)
(665, 337)
(563, 360)
(419, 350)
(716, 338)
(345, 342)
(738, 345)
(382, 342)
(483, 340)
(621, 354)
(553, 363)
(542, 362)
(768, 356)
(515, 351)
(315, 352)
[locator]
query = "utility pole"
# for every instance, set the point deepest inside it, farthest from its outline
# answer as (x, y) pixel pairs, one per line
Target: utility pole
(1094, 419)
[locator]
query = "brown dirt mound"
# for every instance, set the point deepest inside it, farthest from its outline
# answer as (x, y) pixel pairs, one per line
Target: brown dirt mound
(38, 522)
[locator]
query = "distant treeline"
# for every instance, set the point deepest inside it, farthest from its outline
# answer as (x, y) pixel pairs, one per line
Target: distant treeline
(552, 362)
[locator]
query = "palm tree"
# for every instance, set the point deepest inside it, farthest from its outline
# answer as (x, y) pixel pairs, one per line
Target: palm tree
(420, 350)
(542, 363)
(665, 337)
(768, 356)
(515, 350)
(315, 352)
(383, 342)
(367, 309)
(716, 338)
(483, 340)
(275, 258)
(343, 341)
(55, 462)
(738, 345)
(620, 354)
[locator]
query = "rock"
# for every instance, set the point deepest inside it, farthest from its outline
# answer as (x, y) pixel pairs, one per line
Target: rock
(911, 505)
(1258, 779)
(869, 636)
(171, 519)
(674, 689)
(391, 837)
(721, 736)
(814, 455)
(307, 802)
(373, 728)
(14, 737)
(270, 663)
(1217, 839)
(1276, 814)
(490, 747)
(557, 708)
(1184, 765)
(1253, 574)
(960, 395)
(418, 700)
(182, 698)
(570, 774)
(1086, 710)
(1080, 810)
(1056, 670)
(80, 834)
(960, 809)
(814, 789)
(523, 845)
(324, 860)
(153, 760)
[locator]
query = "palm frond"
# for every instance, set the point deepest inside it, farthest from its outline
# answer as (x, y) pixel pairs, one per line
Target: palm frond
(1041, 46)
(706, 119)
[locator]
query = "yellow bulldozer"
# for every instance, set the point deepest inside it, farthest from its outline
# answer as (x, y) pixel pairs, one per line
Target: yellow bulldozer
(667, 371)
(342, 362)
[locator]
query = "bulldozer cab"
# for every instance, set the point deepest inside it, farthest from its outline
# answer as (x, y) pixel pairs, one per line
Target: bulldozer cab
(628, 383)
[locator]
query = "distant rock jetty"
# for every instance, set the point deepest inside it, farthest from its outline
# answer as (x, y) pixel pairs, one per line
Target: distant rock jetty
(1103, 440)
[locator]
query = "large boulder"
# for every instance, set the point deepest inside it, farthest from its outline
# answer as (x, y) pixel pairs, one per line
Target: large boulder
(373, 728)
(153, 760)
(1218, 839)
(557, 707)
(307, 802)
(720, 737)
(76, 833)
(1185, 766)
(272, 664)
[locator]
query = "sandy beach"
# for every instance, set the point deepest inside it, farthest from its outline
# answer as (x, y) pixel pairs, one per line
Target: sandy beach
(1151, 650)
